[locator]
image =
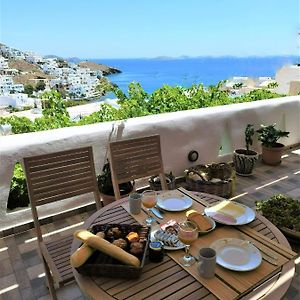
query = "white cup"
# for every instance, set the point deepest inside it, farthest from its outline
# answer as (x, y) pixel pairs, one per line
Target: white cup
(207, 262)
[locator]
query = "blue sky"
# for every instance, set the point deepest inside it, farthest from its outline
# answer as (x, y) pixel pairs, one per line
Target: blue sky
(136, 28)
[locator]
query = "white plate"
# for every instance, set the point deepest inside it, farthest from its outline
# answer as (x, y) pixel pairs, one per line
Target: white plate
(153, 239)
(174, 203)
(247, 217)
(236, 254)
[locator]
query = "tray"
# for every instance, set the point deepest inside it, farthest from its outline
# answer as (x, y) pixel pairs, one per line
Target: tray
(100, 264)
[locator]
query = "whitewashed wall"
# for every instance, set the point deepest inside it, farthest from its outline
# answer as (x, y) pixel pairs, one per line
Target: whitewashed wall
(204, 130)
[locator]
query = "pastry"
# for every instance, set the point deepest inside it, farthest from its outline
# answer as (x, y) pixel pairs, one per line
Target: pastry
(120, 243)
(202, 223)
(132, 237)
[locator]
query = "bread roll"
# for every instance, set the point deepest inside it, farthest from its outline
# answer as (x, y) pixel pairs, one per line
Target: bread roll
(202, 223)
(107, 248)
(82, 254)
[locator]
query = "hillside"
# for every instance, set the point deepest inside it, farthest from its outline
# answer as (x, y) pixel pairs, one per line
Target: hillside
(28, 71)
(94, 66)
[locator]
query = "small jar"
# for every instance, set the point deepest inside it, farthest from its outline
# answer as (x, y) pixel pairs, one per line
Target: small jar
(156, 251)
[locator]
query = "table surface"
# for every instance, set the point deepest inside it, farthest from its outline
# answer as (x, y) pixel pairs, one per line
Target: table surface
(168, 280)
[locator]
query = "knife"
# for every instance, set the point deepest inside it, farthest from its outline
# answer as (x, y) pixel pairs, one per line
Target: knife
(156, 213)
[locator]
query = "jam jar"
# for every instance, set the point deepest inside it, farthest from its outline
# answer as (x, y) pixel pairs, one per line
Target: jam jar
(156, 251)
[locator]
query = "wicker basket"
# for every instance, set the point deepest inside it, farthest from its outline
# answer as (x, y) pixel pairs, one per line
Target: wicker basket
(217, 179)
(100, 264)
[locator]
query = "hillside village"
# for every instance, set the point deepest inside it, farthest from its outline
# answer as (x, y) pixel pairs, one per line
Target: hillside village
(25, 75)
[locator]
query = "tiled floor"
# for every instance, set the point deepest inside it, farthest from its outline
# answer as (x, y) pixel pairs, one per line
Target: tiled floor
(21, 270)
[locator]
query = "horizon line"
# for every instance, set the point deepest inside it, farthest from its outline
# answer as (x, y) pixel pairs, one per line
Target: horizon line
(162, 57)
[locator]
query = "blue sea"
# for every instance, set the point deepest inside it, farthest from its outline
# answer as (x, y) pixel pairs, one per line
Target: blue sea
(154, 73)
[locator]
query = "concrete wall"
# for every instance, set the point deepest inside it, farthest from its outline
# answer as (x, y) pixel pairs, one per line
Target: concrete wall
(204, 130)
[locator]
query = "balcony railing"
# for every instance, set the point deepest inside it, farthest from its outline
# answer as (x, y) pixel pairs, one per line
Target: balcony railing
(213, 132)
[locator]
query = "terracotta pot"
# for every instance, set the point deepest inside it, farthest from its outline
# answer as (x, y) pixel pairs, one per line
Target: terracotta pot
(272, 155)
(107, 199)
(244, 161)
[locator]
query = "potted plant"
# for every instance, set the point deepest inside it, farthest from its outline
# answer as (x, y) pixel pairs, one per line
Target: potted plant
(244, 159)
(271, 149)
(284, 212)
(105, 186)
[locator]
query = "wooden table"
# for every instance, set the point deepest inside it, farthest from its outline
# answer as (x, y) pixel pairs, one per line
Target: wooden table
(168, 280)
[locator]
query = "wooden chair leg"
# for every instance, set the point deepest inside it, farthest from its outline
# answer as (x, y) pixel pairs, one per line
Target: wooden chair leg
(50, 281)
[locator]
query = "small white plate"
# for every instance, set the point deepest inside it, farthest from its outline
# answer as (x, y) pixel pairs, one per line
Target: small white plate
(153, 239)
(245, 218)
(174, 203)
(236, 254)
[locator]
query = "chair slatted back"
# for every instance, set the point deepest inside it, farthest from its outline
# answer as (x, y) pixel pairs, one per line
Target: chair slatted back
(60, 175)
(135, 158)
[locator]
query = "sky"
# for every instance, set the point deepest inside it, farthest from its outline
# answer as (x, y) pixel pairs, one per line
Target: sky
(136, 28)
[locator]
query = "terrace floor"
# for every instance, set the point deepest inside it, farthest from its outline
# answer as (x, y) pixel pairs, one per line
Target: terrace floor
(21, 269)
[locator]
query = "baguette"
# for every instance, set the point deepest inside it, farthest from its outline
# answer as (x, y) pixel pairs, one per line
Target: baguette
(106, 247)
(82, 254)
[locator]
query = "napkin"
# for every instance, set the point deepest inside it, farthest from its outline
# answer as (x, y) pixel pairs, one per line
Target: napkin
(229, 208)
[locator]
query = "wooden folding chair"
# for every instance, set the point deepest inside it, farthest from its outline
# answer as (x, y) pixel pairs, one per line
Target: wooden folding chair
(135, 158)
(54, 177)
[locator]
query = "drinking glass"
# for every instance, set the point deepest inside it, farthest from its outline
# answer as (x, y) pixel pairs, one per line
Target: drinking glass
(149, 199)
(187, 234)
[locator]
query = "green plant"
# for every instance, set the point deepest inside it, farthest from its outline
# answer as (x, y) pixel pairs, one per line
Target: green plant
(105, 183)
(281, 210)
(18, 194)
(269, 135)
(237, 86)
(272, 85)
(249, 132)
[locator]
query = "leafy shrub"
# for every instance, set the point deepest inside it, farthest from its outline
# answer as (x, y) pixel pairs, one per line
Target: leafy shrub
(18, 194)
(281, 210)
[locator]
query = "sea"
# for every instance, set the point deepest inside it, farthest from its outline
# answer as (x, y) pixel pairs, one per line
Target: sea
(154, 73)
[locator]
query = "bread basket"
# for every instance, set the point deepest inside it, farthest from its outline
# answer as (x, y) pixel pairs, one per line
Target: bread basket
(100, 264)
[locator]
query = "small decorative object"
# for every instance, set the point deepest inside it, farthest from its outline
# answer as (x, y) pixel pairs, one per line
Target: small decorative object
(216, 178)
(154, 182)
(271, 149)
(193, 156)
(244, 159)
(284, 212)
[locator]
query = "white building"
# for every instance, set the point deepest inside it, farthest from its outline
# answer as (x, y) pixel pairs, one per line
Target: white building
(81, 90)
(33, 58)
(17, 54)
(263, 82)
(3, 63)
(244, 81)
(7, 85)
(19, 100)
(288, 79)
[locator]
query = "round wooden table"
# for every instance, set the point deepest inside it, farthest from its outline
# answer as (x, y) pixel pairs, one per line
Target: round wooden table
(168, 280)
